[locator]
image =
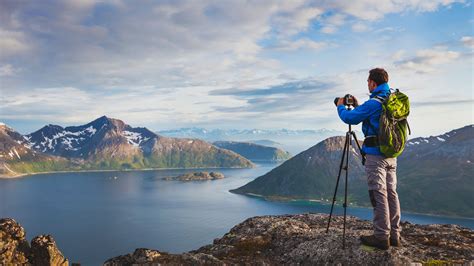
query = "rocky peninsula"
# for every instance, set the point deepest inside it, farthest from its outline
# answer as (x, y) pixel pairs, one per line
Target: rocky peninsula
(197, 176)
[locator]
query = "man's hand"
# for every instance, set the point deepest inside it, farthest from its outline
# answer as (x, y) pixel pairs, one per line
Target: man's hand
(340, 101)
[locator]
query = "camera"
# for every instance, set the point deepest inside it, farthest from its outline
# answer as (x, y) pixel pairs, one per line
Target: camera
(348, 100)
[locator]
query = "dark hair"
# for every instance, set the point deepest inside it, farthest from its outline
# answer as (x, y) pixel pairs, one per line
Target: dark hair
(379, 75)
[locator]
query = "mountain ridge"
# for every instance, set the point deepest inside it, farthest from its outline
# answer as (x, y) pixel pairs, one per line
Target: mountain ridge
(434, 177)
(254, 152)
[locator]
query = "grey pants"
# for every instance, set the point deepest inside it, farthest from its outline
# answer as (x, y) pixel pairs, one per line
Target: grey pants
(382, 181)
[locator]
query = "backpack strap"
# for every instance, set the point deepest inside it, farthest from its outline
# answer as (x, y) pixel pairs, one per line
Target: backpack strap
(379, 99)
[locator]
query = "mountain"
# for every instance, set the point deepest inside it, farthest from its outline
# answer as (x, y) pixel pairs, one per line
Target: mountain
(254, 152)
(17, 157)
(293, 141)
(435, 175)
(308, 175)
(108, 143)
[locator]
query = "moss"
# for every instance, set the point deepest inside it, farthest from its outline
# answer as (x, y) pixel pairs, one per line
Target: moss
(251, 246)
(439, 263)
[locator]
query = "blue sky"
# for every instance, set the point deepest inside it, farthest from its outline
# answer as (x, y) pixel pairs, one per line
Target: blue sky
(231, 64)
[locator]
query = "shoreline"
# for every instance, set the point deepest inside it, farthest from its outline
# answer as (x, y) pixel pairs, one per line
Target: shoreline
(115, 170)
(287, 199)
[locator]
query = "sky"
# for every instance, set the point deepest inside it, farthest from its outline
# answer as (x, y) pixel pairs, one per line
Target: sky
(231, 64)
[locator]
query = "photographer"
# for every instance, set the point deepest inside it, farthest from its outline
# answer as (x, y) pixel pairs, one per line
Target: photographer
(381, 171)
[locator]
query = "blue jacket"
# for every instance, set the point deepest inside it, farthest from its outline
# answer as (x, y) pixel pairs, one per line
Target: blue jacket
(369, 114)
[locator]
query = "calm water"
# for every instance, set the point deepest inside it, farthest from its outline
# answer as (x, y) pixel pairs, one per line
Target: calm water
(96, 216)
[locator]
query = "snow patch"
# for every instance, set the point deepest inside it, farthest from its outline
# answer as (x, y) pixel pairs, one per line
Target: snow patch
(134, 138)
(190, 141)
(67, 137)
(17, 155)
(91, 130)
(440, 139)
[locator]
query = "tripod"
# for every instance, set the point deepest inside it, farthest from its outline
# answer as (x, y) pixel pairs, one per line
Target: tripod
(344, 165)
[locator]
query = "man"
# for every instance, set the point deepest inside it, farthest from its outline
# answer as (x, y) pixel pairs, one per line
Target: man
(381, 171)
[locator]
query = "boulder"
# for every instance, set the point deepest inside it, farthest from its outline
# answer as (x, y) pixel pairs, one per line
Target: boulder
(15, 249)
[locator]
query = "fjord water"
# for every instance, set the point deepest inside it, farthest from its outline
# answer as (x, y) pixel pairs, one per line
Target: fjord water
(94, 216)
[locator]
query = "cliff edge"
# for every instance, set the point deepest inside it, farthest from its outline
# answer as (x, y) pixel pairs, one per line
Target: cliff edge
(302, 240)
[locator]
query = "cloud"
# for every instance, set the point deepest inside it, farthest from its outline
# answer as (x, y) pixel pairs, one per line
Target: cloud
(468, 41)
(425, 60)
(73, 60)
(13, 43)
(332, 23)
(443, 102)
(8, 70)
(360, 27)
(288, 45)
(377, 9)
(286, 97)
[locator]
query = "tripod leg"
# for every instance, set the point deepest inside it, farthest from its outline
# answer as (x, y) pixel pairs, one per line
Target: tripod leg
(347, 151)
(337, 182)
(358, 146)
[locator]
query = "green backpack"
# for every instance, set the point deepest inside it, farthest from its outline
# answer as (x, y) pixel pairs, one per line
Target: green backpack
(393, 124)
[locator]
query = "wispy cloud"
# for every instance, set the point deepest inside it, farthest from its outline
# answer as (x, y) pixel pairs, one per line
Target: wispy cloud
(468, 41)
(425, 60)
(287, 97)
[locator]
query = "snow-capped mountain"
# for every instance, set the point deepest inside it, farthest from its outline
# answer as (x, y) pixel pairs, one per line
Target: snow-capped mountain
(435, 174)
(13, 144)
(108, 143)
(80, 141)
(458, 143)
(16, 156)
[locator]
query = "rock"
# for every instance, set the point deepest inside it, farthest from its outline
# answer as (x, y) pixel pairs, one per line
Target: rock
(302, 240)
(197, 176)
(15, 250)
(13, 245)
(45, 252)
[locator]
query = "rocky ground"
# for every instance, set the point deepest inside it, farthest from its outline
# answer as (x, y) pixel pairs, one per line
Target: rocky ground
(198, 176)
(302, 240)
(15, 250)
(273, 240)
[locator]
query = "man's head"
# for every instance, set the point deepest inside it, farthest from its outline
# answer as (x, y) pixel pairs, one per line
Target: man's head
(376, 77)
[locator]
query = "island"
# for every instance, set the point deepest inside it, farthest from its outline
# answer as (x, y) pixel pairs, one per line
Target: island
(197, 176)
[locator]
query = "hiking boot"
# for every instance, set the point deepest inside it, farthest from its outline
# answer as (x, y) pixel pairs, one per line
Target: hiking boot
(395, 242)
(374, 241)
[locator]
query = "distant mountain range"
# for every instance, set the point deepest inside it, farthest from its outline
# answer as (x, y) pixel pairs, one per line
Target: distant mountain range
(105, 143)
(435, 175)
(251, 134)
(254, 152)
(293, 141)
